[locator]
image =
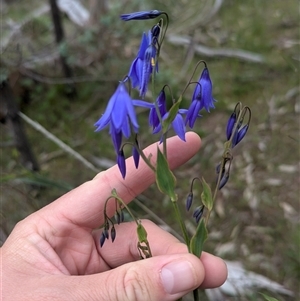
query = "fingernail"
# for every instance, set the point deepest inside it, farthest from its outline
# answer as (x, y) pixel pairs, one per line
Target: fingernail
(177, 277)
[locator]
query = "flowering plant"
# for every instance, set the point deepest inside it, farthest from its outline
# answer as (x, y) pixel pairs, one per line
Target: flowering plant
(120, 117)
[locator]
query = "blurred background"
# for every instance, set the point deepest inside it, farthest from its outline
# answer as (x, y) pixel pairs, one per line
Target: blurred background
(60, 63)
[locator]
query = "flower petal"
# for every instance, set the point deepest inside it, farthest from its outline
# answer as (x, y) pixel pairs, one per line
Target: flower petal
(179, 127)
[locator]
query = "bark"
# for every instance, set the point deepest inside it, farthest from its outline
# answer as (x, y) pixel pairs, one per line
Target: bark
(60, 37)
(14, 121)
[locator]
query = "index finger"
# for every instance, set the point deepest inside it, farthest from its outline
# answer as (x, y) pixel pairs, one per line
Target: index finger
(84, 205)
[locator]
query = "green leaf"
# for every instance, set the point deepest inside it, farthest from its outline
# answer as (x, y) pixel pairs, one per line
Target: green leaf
(268, 298)
(141, 232)
(43, 181)
(165, 179)
(172, 114)
(206, 195)
(197, 241)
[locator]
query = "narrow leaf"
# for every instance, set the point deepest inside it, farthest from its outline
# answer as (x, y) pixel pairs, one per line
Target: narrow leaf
(164, 177)
(206, 195)
(268, 298)
(197, 241)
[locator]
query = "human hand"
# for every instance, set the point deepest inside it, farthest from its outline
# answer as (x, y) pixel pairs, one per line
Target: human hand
(54, 254)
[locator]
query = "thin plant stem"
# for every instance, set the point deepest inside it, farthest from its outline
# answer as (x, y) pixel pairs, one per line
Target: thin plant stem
(181, 223)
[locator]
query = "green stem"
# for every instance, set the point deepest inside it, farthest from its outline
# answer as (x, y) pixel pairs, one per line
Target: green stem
(181, 223)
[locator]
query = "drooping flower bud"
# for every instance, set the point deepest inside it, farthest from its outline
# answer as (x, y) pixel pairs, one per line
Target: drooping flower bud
(136, 154)
(198, 213)
(241, 133)
(119, 216)
(224, 180)
(105, 232)
(113, 233)
(121, 163)
(155, 30)
(189, 201)
(102, 239)
(230, 125)
(141, 15)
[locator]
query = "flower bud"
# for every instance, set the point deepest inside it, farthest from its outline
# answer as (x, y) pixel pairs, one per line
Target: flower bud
(198, 213)
(230, 125)
(224, 180)
(102, 239)
(113, 233)
(121, 163)
(189, 201)
(105, 232)
(241, 133)
(141, 15)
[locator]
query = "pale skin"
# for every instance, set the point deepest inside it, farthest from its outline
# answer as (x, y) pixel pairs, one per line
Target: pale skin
(54, 254)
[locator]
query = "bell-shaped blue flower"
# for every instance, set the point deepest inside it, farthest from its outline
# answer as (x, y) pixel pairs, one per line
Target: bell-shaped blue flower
(160, 102)
(202, 98)
(145, 63)
(141, 15)
(136, 68)
(177, 124)
(119, 114)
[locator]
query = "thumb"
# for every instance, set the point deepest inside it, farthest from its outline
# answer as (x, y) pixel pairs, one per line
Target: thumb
(166, 277)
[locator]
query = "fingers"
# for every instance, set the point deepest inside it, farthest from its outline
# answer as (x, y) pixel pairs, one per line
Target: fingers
(84, 205)
(215, 271)
(166, 277)
(124, 250)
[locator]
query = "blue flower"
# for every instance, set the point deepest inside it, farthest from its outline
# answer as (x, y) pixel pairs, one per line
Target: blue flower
(119, 114)
(177, 124)
(240, 130)
(145, 62)
(141, 15)
(136, 68)
(160, 103)
(202, 98)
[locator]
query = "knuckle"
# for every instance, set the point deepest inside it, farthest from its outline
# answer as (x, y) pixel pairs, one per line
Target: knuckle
(136, 285)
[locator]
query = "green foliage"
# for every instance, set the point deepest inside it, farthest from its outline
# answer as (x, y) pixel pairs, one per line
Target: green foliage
(103, 55)
(268, 298)
(35, 179)
(206, 195)
(198, 239)
(165, 179)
